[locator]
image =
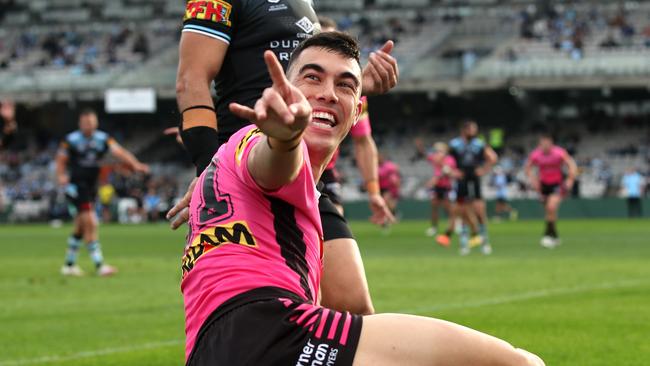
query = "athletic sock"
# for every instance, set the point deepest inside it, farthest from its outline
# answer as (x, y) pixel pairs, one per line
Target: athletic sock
(95, 251)
(547, 230)
(482, 229)
(464, 237)
(552, 230)
(74, 242)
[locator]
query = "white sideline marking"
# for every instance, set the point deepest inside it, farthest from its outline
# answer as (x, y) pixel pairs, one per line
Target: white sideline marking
(89, 354)
(530, 295)
(460, 305)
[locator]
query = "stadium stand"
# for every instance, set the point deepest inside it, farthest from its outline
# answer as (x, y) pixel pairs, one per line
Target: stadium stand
(57, 53)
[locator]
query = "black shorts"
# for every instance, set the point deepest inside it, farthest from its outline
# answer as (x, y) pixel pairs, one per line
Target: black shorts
(441, 193)
(81, 193)
(276, 328)
(469, 189)
(332, 186)
(334, 224)
(549, 189)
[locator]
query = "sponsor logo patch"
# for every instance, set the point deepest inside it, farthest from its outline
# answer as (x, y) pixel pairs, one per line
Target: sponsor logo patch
(236, 232)
(317, 354)
(216, 11)
(305, 24)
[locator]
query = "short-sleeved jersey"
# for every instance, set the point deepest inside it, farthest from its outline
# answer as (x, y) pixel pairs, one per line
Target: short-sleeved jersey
(549, 164)
(249, 27)
(85, 152)
(444, 180)
(633, 184)
(388, 175)
(501, 184)
(469, 155)
(243, 237)
(360, 129)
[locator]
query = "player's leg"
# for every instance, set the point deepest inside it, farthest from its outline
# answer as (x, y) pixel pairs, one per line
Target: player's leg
(396, 339)
(481, 215)
(344, 286)
(551, 207)
(70, 267)
(435, 206)
(343, 283)
(445, 238)
(88, 213)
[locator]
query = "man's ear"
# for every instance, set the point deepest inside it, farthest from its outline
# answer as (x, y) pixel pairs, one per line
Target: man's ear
(357, 113)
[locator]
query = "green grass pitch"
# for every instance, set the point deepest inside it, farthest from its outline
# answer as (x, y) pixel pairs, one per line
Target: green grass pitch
(584, 303)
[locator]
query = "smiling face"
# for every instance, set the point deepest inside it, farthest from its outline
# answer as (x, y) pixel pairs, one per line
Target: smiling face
(331, 83)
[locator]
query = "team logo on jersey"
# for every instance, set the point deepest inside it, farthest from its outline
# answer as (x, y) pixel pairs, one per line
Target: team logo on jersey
(305, 24)
(236, 232)
(216, 11)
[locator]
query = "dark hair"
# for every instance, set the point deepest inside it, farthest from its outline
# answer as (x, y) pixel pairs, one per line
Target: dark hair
(546, 135)
(337, 42)
(86, 111)
(326, 22)
(466, 122)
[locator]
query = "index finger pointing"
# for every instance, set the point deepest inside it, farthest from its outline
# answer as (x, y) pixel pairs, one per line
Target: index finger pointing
(275, 69)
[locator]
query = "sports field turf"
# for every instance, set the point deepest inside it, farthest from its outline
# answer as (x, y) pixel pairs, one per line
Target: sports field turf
(584, 303)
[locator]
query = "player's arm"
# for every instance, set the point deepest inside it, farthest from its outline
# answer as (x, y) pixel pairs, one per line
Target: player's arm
(365, 153)
(200, 60)
(282, 114)
(572, 170)
(127, 157)
(61, 165)
(490, 158)
(206, 35)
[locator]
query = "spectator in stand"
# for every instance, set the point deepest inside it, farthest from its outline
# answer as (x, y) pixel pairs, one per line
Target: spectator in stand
(8, 125)
(151, 203)
(633, 185)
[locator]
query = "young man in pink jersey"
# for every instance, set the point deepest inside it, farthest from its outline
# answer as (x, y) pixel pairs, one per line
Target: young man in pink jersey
(251, 269)
(550, 183)
(444, 173)
(389, 183)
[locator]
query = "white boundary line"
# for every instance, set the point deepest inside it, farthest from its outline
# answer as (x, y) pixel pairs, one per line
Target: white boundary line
(90, 354)
(530, 295)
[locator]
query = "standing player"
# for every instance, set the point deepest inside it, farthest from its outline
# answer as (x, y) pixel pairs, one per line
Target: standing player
(474, 159)
(444, 171)
(502, 206)
(550, 183)
(8, 125)
(389, 182)
(77, 169)
(224, 40)
(254, 253)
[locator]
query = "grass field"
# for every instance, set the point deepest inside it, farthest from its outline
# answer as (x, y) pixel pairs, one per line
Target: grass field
(584, 303)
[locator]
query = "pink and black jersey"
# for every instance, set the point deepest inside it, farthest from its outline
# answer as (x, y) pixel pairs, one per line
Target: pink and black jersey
(549, 164)
(243, 237)
(389, 177)
(444, 180)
